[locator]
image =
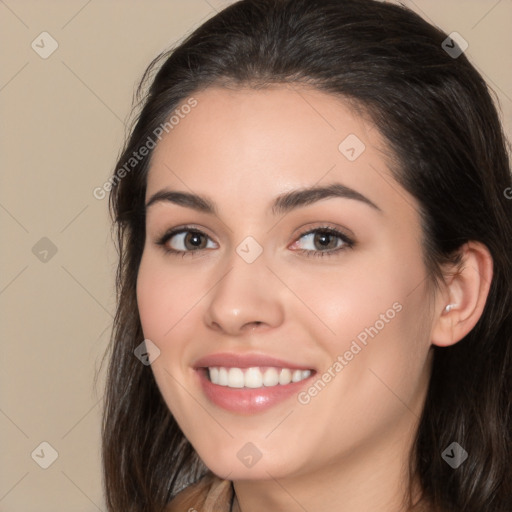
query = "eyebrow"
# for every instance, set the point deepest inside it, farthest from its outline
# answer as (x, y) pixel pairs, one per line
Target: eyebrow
(282, 204)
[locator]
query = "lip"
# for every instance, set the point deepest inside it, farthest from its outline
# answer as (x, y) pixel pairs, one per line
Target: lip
(233, 360)
(247, 401)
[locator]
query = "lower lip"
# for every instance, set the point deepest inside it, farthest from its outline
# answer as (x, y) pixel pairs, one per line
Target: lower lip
(248, 400)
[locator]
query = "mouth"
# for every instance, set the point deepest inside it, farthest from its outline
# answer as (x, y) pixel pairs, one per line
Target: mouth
(254, 377)
(250, 383)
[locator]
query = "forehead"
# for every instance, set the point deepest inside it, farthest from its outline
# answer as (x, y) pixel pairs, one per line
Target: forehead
(247, 144)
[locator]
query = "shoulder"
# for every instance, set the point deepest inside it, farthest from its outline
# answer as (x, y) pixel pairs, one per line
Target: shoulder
(209, 494)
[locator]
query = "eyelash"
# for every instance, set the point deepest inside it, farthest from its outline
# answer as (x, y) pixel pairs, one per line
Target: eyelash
(348, 243)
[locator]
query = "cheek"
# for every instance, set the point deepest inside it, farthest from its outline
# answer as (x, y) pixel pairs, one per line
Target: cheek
(153, 301)
(369, 315)
(352, 297)
(164, 298)
(164, 304)
(381, 339)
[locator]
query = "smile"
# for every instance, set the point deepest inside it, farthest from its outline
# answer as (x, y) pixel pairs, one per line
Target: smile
(250, 383)
(255, 377)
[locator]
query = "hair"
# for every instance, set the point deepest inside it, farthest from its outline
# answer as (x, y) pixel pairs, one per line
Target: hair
(440, 125)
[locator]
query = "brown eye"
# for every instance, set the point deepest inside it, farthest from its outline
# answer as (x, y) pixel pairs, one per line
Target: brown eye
(185, 241)
(323, 241)
(194, 240)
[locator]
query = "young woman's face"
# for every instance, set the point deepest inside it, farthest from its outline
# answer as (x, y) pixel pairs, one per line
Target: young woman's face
(293, 326)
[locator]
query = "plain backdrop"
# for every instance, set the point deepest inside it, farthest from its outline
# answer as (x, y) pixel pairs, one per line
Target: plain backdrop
(62, 126)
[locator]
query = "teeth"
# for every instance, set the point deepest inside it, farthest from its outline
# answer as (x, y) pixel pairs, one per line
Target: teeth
(271, 377)
(223, 377)
(255, 377)
(285, 377)
(214, 374)
(296, 375)
(235, 378)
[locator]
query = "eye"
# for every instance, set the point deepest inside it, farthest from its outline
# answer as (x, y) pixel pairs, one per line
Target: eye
(323, 241)
(184, 240)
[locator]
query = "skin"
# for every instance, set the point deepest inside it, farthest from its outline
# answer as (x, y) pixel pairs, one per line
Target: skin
(347, 448)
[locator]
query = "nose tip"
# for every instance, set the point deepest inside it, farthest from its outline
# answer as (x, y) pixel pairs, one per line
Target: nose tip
(243, 301)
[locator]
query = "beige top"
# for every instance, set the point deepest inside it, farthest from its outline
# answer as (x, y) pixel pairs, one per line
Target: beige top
(209, 494)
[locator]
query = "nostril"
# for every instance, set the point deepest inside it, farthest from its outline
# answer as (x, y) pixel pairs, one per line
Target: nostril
(253, 325)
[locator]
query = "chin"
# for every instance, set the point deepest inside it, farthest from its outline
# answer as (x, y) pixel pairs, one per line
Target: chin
(247, 462)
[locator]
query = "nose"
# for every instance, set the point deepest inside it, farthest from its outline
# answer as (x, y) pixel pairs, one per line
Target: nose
(246, 297)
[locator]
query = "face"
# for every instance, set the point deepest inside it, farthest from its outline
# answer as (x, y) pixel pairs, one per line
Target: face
(292, 325)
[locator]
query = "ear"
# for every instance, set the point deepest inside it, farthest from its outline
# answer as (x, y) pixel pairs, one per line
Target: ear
(466, 292)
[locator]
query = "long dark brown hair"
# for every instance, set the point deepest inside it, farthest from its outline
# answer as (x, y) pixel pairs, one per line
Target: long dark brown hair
(438, 117)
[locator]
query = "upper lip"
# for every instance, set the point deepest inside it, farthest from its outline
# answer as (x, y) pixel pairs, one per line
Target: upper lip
(234, 360)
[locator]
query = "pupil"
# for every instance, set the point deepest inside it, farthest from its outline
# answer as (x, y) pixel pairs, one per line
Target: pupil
(194, 239)
(324, 239)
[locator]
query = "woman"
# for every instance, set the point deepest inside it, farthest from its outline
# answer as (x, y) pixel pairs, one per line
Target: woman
(314, 306)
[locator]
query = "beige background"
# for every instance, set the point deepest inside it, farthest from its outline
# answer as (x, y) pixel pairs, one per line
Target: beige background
(62, 128)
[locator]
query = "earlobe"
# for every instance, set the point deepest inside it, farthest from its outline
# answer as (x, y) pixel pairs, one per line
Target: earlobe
(466, 292)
